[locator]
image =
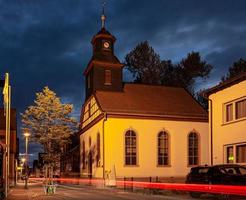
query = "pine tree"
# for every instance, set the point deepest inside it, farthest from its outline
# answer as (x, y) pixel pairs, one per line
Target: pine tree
(237, 68)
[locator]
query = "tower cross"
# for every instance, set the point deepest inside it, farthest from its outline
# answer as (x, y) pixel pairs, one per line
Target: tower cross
(103, 17)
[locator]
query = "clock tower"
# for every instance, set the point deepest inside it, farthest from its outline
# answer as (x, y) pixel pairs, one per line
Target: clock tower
(104, 70)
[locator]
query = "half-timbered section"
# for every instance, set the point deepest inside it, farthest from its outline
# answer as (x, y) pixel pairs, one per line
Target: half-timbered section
(90, 112)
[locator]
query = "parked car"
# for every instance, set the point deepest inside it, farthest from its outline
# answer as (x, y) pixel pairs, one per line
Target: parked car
(227, 174)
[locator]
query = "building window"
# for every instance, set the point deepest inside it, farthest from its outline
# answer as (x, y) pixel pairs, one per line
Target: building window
(98, 149)
(229, 155)
(235, 110)
(163, 151)
(241, 153)
(130, 148)
(193, 157)
(229, 112)
(107, 77)
(83, 154)
(241, 109)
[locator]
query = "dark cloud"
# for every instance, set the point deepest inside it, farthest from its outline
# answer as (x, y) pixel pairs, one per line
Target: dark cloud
(46, 42)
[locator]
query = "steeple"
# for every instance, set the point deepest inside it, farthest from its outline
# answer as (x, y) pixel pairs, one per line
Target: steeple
(104, 70)
(103, 17)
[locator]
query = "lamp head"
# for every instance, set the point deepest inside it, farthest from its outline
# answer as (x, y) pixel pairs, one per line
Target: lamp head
(26, 134)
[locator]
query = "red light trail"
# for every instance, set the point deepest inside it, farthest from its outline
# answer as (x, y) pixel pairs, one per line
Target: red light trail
(204, 188)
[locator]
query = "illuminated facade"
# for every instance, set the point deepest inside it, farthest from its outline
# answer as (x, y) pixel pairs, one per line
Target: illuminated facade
(227, 121)
(13, 145)
(136, 130)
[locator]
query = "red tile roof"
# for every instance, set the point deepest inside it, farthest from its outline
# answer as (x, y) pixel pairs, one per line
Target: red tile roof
(151, 100)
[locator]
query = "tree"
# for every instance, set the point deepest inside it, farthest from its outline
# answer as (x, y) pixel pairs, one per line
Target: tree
(147, 67)
(50, 124)
(144, 63)
(237, 68)
(189, 69)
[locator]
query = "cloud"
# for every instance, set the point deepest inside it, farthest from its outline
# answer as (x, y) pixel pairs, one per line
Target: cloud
(47, 42)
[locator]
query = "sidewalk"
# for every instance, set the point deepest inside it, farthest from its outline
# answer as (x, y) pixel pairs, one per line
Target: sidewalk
(34, 192)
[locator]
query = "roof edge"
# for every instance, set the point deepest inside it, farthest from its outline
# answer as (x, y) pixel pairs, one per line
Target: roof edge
(223, 85)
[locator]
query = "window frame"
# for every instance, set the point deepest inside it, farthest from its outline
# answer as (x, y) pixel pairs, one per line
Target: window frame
(168, 148)
(234, 111)
(125, 149)
(107, 77)
(83, 155)
(98, 157)
(234, 146)
(198, 150)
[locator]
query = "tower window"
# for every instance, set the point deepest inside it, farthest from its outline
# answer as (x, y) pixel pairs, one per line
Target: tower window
(107, 77)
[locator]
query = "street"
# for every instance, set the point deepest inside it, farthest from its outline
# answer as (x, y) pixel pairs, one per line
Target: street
(80, 192)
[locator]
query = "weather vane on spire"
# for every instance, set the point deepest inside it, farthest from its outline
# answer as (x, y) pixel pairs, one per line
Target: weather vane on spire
(103, 17)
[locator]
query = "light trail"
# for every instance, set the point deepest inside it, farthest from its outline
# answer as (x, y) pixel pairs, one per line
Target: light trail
(204, 188)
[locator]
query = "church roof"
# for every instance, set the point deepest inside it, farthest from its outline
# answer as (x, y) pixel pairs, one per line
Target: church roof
(150, 100)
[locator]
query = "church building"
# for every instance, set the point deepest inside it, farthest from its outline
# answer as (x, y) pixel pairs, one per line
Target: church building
(136, 130)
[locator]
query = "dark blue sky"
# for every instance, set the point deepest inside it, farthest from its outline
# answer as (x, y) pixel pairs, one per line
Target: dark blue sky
(47, 42)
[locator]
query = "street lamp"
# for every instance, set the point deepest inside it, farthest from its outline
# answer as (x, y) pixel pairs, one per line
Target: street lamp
(26, 135)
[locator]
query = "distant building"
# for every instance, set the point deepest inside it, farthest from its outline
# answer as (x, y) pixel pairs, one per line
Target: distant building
(35, 168)
(136, 130)
(13, 143)
(70, 160)
(227, 121)
(41, 164)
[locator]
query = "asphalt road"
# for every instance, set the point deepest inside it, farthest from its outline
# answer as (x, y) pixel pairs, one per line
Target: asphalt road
(70, 192)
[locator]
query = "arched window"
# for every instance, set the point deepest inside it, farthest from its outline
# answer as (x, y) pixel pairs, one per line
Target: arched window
(163, 148)
(130, 148)
(83, 154)
(89, 142)
(193, 149)
(98, 149)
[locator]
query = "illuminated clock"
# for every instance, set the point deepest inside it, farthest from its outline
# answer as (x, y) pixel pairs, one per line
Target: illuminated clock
(106, 45)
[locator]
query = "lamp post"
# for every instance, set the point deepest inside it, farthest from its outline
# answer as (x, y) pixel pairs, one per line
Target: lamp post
(26, 135)
(23, 160)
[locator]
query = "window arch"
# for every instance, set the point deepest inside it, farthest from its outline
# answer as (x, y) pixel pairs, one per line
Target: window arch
(193, 149)
(98, 148)
(163, 148)
(130, 148)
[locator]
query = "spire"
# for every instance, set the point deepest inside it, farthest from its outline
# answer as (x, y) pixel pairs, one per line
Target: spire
(103, 17)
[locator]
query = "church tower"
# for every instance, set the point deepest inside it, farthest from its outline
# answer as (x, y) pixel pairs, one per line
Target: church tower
(104, 70)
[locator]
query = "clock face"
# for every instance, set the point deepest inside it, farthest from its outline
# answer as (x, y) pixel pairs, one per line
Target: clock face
(106, 45)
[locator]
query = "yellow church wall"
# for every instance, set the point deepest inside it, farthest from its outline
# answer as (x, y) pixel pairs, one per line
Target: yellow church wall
(92, 132)
(147, 131)
(226, 133)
